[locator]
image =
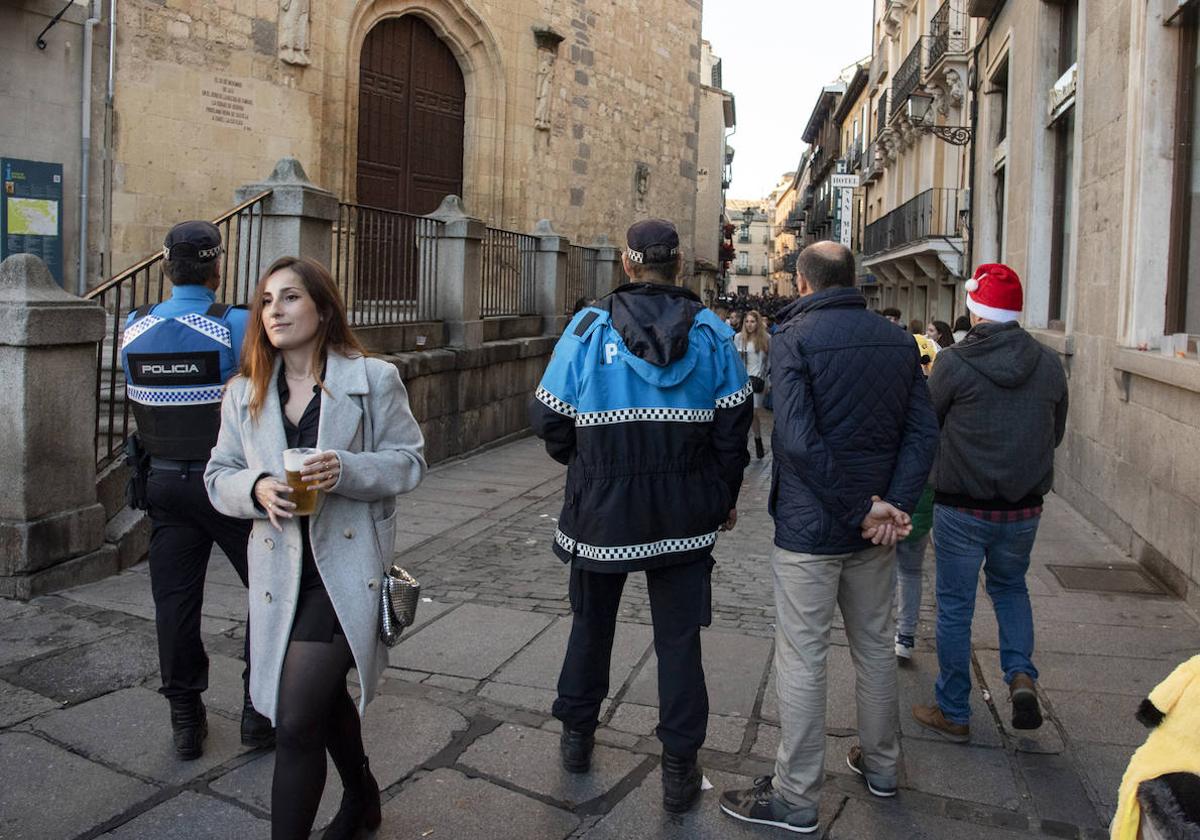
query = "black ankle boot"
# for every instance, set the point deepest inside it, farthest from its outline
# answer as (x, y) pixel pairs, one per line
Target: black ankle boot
(189, 726)
(575, 747)
(758, 448)
(257, 731)
(359, 811)
(681, 782)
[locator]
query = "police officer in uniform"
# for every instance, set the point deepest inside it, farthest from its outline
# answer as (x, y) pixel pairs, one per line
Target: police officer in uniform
(648, 404)
(177, 356)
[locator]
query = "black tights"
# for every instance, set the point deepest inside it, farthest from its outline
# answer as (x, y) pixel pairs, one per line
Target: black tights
(315, 713)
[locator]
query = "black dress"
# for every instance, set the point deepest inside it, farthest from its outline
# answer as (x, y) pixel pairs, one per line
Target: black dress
(315, 619)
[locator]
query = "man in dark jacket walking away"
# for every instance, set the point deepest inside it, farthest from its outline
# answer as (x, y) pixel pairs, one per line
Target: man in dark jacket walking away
(1001, 399)
(854, 439)
(648, 403)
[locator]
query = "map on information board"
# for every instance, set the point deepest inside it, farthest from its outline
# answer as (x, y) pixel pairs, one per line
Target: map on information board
(31, 219)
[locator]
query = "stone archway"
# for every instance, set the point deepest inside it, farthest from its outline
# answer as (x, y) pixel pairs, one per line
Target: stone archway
(485, 110)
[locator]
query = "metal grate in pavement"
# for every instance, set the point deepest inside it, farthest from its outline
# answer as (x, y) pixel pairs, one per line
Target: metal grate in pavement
(1126, 580)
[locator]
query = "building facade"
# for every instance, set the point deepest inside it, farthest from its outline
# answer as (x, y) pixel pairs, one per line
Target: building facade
(713, 172)
(753, 245)
(584, 112)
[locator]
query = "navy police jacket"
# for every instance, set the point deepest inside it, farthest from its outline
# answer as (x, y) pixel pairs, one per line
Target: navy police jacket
(648, 404)
(853, 419)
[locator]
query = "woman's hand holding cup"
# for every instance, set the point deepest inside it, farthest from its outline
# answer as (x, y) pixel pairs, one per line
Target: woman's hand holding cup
(272, 494)
(322, 471)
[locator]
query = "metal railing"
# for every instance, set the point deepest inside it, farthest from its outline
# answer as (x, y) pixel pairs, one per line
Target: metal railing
(143, 283)
(509, 274)
(582, 275)
(385, 264)
(906, 79)
(881, 113)
(933, 213)
(947, 32)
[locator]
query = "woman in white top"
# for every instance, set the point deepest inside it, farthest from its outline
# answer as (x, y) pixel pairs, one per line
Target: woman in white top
(753, 343)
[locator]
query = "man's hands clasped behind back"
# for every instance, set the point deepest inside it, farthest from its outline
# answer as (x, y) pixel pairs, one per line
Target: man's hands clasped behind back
(885, 524)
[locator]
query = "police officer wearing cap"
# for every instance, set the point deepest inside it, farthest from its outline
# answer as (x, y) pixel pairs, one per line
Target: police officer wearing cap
(648, 404)
(177, 356)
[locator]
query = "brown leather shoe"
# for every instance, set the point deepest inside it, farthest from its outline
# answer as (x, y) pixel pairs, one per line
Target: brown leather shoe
(1026, 714)
(931, 718)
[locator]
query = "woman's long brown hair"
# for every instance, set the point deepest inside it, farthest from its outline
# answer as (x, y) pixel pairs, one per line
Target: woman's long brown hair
(760, 338)
(333, 331)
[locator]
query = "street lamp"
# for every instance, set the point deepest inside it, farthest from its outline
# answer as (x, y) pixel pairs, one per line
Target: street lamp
(919, 107)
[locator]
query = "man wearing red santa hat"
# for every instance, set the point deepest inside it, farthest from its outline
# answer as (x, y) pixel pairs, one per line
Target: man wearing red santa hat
(1001, 401)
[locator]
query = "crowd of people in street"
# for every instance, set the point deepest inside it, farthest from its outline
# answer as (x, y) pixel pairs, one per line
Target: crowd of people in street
(272, 433)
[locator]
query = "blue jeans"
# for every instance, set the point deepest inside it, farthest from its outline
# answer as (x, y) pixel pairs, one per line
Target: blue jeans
(964, 544)
(910, 556)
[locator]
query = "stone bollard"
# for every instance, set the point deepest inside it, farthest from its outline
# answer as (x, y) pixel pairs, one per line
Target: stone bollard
(297, 218)
(51, 526)
(460, 273)
(553, 250)
(609, 272)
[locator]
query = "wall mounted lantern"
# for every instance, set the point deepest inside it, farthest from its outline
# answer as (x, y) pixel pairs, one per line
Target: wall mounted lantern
(919, 108)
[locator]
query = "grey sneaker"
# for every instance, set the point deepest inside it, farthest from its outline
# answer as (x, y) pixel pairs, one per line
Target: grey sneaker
(761, 805)
(876, 783)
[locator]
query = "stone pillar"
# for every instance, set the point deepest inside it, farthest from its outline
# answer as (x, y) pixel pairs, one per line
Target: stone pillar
(460, 273)
(610, 273)
(297, 218)
(553, 251)
(51, 526)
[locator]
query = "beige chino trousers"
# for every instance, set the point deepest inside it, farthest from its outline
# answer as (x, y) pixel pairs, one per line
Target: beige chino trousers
(807, 586)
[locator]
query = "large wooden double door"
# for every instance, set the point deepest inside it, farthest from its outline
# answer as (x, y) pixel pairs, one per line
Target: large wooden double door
(412, 102)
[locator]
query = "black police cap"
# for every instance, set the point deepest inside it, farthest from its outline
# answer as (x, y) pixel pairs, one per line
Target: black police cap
(652, 241)
(195, 240)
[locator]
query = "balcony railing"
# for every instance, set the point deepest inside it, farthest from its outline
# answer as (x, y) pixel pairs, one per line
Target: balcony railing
(933, 213)
(870, 166)
(881, 113)
(743, 269)
(795, 220)
(906, 79)
(854, 155)
(821, 214)
(947, 32)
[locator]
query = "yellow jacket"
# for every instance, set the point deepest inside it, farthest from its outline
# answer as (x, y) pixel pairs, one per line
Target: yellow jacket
(1173, 746)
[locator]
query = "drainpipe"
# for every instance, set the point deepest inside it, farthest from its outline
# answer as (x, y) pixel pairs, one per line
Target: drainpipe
(85, 142)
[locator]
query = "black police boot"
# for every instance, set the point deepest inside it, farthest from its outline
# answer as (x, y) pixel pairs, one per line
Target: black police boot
(681, 782)
(359, 811)
(257, 731)
(189, 724)
(575, 747)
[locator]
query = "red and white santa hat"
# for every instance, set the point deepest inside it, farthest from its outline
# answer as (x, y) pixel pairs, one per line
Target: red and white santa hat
(995, 293)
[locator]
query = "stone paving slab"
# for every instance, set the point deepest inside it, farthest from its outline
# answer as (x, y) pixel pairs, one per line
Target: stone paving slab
(641, 815)
(131, 729)
(130, 593)
(31, 633)
(224, 685)
(191, 816)
(1057, 791)
(1101, 718)
(447, 804)
(1129, 676)
(538, 665)
(837, 748)
(960, 771)
(81, 673)
(473, 641)
(1044, 739)
(1078, 637)
(524, 697)
(528, 759)
(841, 708)
(734, 665)
(18, 704)
(1103, 767)
(915, 683)
(724, 733)
(891, 821)
(400, 734)
(59, 794)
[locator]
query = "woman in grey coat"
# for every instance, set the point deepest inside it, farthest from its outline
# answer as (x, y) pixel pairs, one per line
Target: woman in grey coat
(314, 580)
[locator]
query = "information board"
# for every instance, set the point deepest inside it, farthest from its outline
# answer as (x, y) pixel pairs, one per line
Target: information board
(31, 213)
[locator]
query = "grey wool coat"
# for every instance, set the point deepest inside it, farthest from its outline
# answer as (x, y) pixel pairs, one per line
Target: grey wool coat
(353, 529)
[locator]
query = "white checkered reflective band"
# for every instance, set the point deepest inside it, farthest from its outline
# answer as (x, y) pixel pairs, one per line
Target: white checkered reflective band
(209, 328)
(554, 403)
(737, 397)
(618, 553)
(206, 395)
(137, 328)
(654, 415)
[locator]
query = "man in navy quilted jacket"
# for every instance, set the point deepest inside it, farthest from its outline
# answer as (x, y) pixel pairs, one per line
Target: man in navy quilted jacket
(854, 440)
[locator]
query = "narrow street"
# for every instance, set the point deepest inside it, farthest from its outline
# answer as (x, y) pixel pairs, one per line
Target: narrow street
(462, 736)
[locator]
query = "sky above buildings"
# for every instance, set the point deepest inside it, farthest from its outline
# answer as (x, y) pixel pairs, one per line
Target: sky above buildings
(777, 54)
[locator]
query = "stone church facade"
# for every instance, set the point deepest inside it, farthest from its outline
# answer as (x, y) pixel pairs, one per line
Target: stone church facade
(579, 111)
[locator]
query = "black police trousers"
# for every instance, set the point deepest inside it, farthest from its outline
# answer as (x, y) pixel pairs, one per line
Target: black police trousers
(184, 526)
(680, 604)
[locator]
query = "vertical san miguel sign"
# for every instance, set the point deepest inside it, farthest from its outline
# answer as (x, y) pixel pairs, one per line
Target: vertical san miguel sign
(31, 217)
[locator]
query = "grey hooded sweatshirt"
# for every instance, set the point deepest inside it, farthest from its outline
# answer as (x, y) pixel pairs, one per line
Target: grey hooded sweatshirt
(1001, 402)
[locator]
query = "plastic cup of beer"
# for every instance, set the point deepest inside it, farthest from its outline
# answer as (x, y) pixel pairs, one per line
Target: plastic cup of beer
(304, 496)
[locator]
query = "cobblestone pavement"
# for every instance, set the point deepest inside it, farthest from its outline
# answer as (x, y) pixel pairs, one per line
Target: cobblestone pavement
(461, 735)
